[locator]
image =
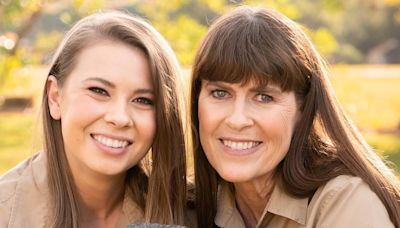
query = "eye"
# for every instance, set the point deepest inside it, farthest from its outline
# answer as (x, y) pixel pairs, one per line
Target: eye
(99, 91)
(264, 98)
(144, 101)
(218, 93)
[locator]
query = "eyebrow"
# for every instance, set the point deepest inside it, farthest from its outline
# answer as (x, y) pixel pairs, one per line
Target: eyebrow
(268, 88)
(224, 85)
(101, 80)
(258, 88)
(112, 85)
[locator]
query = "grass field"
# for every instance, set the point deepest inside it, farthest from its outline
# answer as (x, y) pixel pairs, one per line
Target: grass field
(369, 94)
(16, 138)
(373, 102)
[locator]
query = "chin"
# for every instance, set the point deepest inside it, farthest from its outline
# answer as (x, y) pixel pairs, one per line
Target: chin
(110, 170)
(235, 177)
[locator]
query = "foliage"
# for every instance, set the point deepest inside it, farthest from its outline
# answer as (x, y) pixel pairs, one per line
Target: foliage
(182, 31)
(14, 12)
(183, 43)
(17, 18)
(7, 65)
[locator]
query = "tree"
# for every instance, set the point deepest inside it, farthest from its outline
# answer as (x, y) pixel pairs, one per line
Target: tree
(18, 18)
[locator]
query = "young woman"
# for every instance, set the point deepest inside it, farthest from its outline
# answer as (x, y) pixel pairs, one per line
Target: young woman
(111, 96)
(275, 148)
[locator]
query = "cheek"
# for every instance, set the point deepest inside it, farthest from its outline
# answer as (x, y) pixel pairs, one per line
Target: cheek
(286, 132)
(81, 107)
(147, 124)
(206, 125)
(201, 111)
(206, 118)
(279, 127)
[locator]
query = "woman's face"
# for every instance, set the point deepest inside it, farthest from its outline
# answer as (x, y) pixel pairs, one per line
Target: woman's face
(245, 131)
(106, 108)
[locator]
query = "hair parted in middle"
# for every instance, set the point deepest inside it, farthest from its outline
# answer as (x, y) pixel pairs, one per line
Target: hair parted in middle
(160, 190)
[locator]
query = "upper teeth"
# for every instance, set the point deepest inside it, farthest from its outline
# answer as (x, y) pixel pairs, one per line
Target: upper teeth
(114, 143)
(240, 145)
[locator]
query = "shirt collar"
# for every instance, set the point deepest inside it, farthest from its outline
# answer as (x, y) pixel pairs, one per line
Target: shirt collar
(38, 195)
(227, 213)
(280, 203)
(283, 204)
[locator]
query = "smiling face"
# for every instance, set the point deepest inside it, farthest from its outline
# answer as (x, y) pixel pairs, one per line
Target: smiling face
(245, 131)
(106, 108)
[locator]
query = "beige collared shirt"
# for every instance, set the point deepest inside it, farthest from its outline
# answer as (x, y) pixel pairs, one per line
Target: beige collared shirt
(24, 197)
(343, 202)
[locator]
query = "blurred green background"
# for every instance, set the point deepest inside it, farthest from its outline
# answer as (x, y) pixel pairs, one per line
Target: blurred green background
(359, 38)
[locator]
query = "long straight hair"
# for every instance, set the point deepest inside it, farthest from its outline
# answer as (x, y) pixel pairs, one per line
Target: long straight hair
(161, 191)
(259, 44)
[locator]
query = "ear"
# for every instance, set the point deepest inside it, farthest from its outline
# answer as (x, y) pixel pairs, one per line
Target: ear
(53, 97)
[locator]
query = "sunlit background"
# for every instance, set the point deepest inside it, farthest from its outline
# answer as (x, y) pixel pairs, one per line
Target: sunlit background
(359, 38)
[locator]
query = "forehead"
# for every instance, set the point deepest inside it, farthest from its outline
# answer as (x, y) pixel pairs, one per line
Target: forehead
(114, 61)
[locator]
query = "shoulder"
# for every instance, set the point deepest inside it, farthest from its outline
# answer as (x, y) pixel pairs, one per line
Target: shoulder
(8, 188)
(348, 187)
(10, 182)
(345, 184)
(349, 201)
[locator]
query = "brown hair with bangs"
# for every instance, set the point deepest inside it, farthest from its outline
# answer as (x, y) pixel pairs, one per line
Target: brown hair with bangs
(260, 44)
(160, 192)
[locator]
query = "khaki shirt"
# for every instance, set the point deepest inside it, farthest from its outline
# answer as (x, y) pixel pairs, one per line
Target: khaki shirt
(25, 200)
(343, 202)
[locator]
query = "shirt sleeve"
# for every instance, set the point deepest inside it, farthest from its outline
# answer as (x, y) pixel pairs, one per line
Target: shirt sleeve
(349, 202)
(7, 192)
(4, 215)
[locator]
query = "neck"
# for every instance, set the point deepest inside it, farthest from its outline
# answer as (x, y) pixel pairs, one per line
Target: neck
(252, 198)
(100, 199)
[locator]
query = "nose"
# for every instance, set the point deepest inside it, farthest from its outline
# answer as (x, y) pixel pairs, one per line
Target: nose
(118, 115)
(238, 117)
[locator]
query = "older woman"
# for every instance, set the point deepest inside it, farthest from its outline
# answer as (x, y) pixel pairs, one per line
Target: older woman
(276, 149)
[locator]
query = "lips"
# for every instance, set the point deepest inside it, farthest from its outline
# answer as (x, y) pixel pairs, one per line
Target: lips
(240, 145)
(111, 142)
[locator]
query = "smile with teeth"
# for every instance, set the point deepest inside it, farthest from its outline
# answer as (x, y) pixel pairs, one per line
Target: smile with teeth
(113, 143)
(240, 145)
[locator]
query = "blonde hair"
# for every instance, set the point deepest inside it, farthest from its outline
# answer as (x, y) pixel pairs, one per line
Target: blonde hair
(259, 44)
(161, 192)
